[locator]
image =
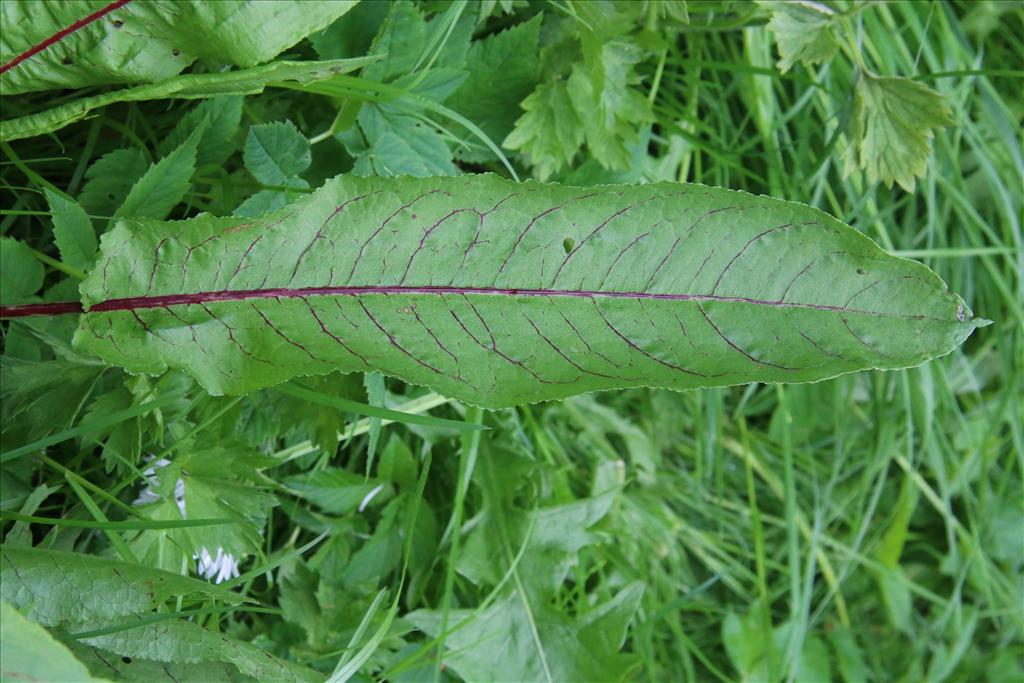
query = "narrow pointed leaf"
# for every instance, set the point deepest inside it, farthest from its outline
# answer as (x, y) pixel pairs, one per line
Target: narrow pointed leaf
(499, 293)
(187, 87)
(57, 44)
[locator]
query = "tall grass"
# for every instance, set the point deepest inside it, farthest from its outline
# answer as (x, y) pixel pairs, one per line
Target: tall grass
(871, 525)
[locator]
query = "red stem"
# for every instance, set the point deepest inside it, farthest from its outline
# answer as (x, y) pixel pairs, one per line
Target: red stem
(165, 300)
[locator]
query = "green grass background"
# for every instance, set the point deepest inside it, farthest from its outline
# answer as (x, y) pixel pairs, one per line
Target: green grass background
(870, 526)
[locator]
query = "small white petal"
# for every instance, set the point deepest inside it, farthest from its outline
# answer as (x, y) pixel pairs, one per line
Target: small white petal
(369, 496)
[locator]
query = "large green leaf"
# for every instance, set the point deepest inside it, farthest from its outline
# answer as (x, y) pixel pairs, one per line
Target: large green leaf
(57, 587)
(499, 293)
(513, 641)
(32, 654)
(56, 44)
(183, 642)
(139, 670)
(187, 87)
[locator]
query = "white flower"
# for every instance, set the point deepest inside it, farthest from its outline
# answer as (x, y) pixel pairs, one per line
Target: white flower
(218, 567)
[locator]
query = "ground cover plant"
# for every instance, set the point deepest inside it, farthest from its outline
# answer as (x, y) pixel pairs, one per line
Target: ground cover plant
(212, 211)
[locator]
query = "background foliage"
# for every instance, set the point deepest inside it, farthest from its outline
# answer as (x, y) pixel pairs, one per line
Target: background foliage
(865, 528)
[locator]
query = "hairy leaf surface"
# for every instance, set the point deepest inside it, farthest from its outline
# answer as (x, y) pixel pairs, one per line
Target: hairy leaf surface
(32, 654)
(55, 44)
(58, 587)
(499, 293)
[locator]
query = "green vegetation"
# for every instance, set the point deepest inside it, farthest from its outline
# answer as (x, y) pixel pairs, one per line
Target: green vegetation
(357, 527)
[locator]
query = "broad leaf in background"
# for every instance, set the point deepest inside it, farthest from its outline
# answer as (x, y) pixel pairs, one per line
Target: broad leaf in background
(72, 231)
(522, 637)
(352, 34)
(610, 109)
(509, 641)
(54, 587)
(759, 655)
(213, 483)
(500, 293)
(21, 275)
(591, 98)
(32, 654)
(804, 31)
(336, 491)
(549, 133)
(176, 640)
(139, 670)
(55, 44)
(222, 116)
(493, 103)
(275, 154)
(109, 180)
(188, 87)
(396, 138)
(890, 134)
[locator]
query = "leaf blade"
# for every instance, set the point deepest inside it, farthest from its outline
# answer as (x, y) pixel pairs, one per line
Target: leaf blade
(467, 287)
(72, 45)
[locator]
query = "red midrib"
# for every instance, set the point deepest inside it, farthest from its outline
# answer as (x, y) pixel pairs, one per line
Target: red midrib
(62, 34)
(164, 300)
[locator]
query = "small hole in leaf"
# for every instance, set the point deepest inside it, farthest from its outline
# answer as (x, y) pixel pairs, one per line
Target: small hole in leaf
(66, 60)
(117, 23)
(568, 243)
(176, 53)
(414, 216)
(126, 659)
(861, 271)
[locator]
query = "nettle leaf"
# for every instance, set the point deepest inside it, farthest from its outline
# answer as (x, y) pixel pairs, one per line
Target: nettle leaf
(400, 143)
(164, 184)
(493, 103)
(72, 231)
(804, 31)
(398, 137)
(55, 44)
(892, 128)
(54, 587)
(276, 152)
(500, 293)
(21, 275)
(222, 116)
(187, 87)
(109, 180)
